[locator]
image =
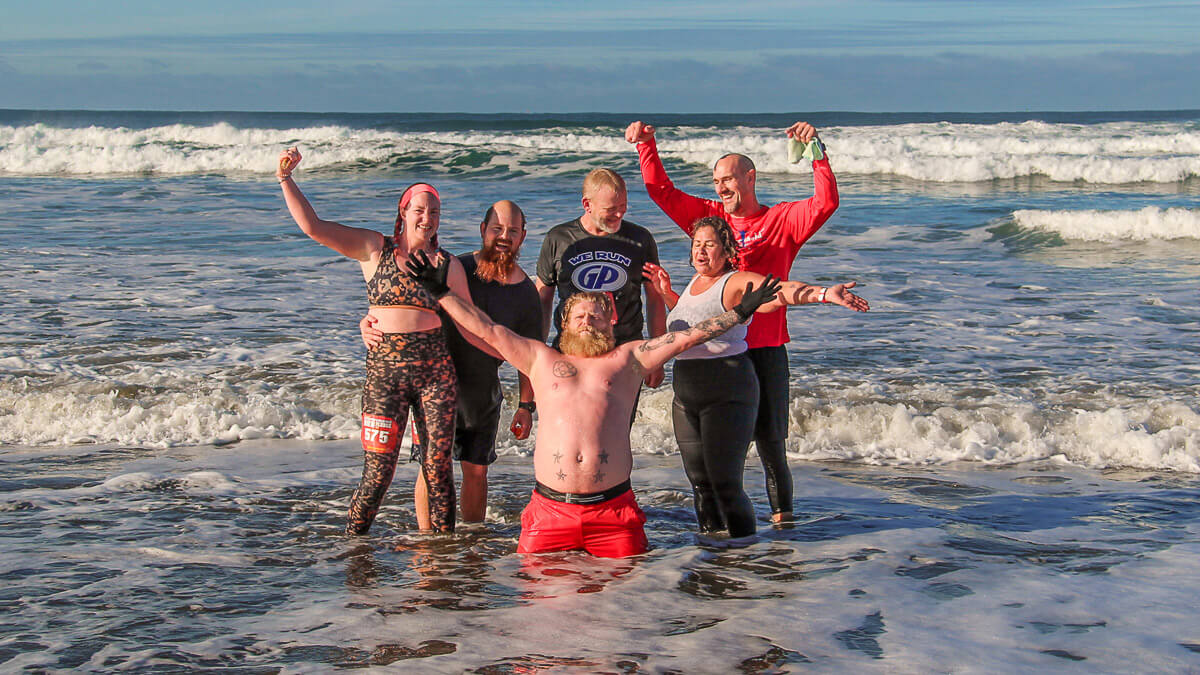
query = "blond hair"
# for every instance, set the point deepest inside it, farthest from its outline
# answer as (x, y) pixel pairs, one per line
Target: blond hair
(602, 178)
(604, 300)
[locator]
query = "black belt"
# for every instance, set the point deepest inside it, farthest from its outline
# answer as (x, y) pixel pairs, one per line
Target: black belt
(582, 497)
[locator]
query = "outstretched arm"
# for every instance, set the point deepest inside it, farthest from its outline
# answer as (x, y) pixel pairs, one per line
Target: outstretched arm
(795, 293)
(457, 280)
(518, 351)
(838, 294)
(352, 242)
(657, 351)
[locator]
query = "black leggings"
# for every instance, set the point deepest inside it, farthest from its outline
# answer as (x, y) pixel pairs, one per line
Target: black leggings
(716, 403)
(407, 370)
(770, 432)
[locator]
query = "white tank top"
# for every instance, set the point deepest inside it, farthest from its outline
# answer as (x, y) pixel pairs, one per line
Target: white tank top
(692, 309)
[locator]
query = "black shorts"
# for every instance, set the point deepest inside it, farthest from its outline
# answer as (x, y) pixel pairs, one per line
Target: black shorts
(477, 443)
(771, 366)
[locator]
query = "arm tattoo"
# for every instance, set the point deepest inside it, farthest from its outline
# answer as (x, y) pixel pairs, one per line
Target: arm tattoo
(655, 343)
(564, 369)
(710, 328)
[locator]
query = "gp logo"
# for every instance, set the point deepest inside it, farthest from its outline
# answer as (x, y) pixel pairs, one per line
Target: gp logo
(599, 276)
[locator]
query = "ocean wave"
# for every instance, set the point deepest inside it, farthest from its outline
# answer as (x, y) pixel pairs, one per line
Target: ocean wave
(929, 425)
(1105, 154)
(148, 408)
(1110, 153)
(1149, 223)
(932, 429)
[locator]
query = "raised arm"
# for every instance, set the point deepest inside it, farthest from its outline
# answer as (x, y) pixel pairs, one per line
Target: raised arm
(517, 350)
(802, 132)
(657, 277)
(657, 351)
(352, 242)
(679, 206)
(807, 216)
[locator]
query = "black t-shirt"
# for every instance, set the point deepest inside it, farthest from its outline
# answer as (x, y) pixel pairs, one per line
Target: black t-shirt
(514, 306)
(574, 260)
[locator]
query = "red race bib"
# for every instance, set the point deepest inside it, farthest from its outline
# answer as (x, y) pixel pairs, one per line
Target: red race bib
(379, 434)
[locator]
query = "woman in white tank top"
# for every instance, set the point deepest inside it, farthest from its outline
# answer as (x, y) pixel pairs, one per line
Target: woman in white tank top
(716, 390)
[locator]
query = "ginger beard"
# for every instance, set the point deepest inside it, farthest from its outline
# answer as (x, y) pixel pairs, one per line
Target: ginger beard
(586, 342)
(494, 264)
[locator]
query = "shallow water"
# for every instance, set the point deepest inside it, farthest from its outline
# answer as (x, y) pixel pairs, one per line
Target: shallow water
(203, 557)
(995, 468)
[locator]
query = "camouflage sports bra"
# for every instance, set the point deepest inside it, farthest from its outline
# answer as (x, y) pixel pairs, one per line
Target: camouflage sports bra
(391, 287)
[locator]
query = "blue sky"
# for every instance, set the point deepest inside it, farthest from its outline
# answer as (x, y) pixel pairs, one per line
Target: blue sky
(613, 56)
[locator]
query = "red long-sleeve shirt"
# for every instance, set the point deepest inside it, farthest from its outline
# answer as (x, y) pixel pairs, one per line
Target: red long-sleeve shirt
(768, 240)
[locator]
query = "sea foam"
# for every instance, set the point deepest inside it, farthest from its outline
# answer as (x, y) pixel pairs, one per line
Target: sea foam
(1144, 224)
(1111, 153)
(1154, 435)
(925, 426)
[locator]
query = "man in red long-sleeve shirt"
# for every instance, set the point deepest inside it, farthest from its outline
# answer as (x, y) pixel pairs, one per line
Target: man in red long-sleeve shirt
(769, 239)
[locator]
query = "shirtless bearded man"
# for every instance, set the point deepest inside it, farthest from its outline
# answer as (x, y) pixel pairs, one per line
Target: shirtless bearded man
(586, 393)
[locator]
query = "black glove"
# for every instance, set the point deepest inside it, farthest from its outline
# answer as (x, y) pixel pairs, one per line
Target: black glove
(431, 278)
(754, 298)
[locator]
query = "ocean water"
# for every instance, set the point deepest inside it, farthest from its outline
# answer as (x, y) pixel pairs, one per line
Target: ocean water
(997, 468)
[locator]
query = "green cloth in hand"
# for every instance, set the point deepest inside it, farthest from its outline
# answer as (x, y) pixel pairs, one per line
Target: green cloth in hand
(811, 150)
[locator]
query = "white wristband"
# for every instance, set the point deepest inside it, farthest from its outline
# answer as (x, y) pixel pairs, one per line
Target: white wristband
(822, 297)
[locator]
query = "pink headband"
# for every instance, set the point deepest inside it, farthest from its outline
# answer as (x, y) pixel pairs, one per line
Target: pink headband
(415, 190)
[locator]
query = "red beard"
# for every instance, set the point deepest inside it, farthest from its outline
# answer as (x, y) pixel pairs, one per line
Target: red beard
(495, 265)
(585, 343)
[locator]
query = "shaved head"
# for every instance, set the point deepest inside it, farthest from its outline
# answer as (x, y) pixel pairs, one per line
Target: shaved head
(741, 162)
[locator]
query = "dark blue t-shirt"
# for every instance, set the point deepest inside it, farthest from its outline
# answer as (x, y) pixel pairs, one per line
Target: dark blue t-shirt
(574, 260)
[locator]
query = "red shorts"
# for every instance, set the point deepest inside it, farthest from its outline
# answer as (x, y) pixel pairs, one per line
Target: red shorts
(611, 529)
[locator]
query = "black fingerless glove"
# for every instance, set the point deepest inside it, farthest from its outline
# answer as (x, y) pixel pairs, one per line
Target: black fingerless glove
(754, 298)
(432, 278)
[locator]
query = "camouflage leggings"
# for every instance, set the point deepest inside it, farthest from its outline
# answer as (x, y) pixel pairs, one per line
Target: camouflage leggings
(408, 370)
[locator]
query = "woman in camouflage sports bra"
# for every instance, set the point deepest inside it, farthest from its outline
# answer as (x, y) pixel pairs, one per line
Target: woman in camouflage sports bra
(411, 368)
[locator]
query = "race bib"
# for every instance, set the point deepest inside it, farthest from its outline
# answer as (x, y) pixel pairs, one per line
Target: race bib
(379, 434)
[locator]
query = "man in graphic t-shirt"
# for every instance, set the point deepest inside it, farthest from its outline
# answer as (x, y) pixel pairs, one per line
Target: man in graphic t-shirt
(600, 251)
(768, 240)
